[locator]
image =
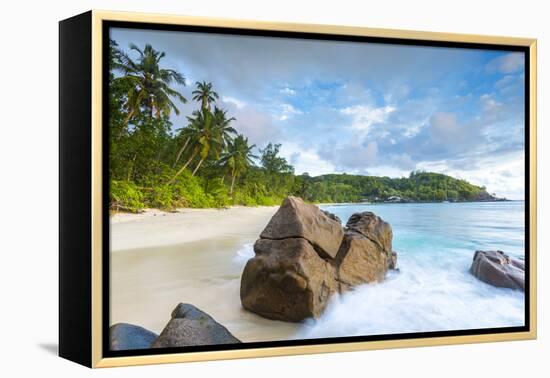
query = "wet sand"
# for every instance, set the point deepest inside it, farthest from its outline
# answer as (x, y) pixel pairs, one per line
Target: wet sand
(161, 259)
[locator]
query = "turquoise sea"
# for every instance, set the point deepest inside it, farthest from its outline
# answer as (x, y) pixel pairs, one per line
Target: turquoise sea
(433, 289)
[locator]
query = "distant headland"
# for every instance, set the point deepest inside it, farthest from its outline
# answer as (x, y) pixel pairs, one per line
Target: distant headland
(419, 187)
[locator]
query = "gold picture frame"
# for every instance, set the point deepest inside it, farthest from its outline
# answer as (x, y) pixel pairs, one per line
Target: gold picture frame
(93, 25)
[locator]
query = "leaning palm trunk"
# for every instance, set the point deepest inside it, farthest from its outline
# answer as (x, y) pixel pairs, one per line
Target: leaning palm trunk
(184, 166)
(128, 117)
(232, 183)
(180, 152)
(131, 168)
(157, 162)
(197, 167)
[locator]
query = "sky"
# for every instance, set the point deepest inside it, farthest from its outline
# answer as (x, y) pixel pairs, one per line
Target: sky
(361, 108)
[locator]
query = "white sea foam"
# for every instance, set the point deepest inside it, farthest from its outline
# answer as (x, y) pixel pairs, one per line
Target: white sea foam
(245, 253)
(419, 298)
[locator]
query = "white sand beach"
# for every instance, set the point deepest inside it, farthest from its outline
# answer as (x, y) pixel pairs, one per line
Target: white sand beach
(154, 228)
(193, 256)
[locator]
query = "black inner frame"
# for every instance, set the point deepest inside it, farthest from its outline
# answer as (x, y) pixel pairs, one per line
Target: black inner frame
(300, 35)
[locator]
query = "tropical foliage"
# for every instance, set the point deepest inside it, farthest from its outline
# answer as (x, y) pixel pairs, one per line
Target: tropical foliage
(205, 162)
(418, 187)
(202, 163)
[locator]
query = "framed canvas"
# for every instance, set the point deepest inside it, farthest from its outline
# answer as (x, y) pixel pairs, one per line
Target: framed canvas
(235, 189)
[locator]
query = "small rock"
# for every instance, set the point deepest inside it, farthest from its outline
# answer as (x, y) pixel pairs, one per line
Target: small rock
(124, 336)
(498, 269)
(190, 326)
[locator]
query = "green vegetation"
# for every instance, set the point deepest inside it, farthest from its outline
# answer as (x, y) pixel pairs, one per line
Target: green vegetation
(206, 163)
(418, 187)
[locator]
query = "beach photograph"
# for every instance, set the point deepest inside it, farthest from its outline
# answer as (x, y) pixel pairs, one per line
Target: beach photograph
(272, 189)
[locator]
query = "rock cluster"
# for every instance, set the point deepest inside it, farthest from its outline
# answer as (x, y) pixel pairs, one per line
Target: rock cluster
(188, 326)
(304, 256)
(498, 269)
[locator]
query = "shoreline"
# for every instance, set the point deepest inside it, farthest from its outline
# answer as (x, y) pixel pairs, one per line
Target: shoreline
(123, 216)
(157, 228)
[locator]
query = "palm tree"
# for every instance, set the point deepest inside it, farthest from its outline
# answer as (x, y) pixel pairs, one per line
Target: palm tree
(204, 138)
(238, 158)
(223, 126)
(187, 134)
(215, 134)
(205, 94)
(209, 139)
(148, 83)
(208, 134)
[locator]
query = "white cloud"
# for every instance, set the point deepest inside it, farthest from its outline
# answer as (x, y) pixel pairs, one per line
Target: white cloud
(489, 104)
(511, 85)
(287, 91)
(306, 160)
(492, 109)
(412, 129)
(252, 122)
(364, 116)
(404, 161)
(356, 92)
(238, 103)
(501, 174)
(354, 157)
(397, 92)
(505, 81)
(189, 82)
(384, 170)
(445, 128)
(287, 111)
(451, 137)
(507, 64)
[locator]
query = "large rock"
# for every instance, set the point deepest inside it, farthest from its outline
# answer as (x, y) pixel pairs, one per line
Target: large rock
(361, 261)
(123, 336)
(373, 227)
(190, 326)
(303, 257)
(297, 219)
(287, 280)
(498, 269)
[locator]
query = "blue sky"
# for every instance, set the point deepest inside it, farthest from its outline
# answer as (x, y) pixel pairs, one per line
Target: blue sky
(362, 108)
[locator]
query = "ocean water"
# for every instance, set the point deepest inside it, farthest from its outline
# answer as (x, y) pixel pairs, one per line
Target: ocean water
(433, 289)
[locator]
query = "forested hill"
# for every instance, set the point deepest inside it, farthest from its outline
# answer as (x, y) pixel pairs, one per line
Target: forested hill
(418, 187)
